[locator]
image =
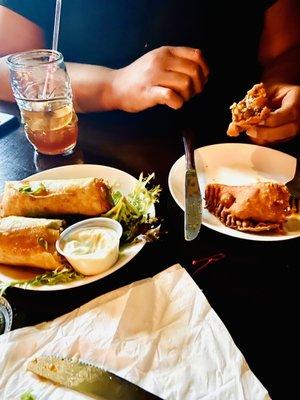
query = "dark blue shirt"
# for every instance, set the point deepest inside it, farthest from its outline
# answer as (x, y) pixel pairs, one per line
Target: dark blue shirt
(114, 33)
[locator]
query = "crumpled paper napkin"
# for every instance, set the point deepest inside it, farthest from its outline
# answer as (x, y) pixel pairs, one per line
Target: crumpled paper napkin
(160, 333)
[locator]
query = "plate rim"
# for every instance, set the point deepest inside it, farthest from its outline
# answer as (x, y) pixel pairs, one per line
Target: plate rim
(230, 231)
(92, 278)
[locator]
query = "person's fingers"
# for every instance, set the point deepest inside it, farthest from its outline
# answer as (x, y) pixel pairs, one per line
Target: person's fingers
(180, 83)
(193, 55)
(278, 118)
(282, 116)
(189, 68)
(165, 96)
(276, 134)
(288, 112)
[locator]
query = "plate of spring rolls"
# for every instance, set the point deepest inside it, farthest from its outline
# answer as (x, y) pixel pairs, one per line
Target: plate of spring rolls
(36, 210)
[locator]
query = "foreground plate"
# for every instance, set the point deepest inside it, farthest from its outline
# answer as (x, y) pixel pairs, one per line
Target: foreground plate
(236, 164)
(116, 178)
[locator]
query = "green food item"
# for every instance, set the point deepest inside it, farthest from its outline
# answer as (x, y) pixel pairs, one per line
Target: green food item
(132, 211)
(27, 396)
(62, 275)
(25, 189)
(28, 190)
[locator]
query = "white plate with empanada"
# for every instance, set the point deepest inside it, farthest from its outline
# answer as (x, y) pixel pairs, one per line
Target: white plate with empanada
(237, 164)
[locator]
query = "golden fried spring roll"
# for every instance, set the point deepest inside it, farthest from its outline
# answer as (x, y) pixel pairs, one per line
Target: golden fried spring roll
(87, 196)
(30, 242)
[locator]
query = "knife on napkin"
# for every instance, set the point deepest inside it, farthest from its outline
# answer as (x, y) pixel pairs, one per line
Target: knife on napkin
(193, 199)
(87, 379)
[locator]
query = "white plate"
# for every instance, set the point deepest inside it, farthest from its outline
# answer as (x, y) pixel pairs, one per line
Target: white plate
(236, 164)
(119, 180)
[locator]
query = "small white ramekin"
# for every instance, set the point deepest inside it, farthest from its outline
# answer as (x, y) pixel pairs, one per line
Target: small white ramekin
(91, 264)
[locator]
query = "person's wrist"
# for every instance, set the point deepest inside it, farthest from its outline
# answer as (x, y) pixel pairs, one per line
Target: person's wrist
(113, 95)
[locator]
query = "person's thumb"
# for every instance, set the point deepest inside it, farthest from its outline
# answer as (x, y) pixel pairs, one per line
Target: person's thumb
(289, 110)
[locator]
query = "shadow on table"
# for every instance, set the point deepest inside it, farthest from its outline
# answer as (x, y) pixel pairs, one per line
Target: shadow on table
(43, 162)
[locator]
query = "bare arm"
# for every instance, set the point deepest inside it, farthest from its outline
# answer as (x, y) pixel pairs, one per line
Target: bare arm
(91, 85)
(29, 37)
(88, 81)
(280, 56)
(5, 89)
(168, 75)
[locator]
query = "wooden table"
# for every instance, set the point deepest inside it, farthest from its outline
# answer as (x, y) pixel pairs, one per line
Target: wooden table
(253, 289)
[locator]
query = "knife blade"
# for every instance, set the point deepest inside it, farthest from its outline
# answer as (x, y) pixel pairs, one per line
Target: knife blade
(88, 379)
(193, 198)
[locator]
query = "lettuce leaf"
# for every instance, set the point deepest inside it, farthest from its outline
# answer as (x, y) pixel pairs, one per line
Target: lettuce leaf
(62, 275)
(133, 210)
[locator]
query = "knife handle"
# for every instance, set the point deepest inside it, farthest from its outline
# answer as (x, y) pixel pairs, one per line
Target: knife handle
(188, 141)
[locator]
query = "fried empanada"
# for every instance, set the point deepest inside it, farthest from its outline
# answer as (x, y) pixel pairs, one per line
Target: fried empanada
(260, 207)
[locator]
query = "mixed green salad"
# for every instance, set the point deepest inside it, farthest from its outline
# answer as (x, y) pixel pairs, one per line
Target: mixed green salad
(133, 211)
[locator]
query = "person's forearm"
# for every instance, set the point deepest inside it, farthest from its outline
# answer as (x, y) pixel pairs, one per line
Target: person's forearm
(5, 88)
(284, 68)
(92, 87)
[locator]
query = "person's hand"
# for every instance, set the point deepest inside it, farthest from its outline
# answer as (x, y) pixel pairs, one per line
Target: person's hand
(284, 122)
(167, 75)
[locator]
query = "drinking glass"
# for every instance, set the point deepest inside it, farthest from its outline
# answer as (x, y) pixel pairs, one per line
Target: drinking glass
(42, 89)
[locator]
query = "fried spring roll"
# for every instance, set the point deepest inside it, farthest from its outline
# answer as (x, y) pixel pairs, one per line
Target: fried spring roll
(87, 196)
(30, 242)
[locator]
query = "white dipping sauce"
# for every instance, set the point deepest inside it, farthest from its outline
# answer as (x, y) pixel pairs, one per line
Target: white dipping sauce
(98, 241)
(91, 250)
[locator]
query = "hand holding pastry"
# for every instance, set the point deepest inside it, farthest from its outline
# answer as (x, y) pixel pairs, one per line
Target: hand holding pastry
(267, 114)
(249, 112)
(284, 122)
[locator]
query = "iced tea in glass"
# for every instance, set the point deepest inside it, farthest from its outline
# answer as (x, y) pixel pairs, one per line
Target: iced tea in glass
(42, 89)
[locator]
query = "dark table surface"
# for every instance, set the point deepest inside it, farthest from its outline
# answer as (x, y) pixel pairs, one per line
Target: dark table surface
(253, 289)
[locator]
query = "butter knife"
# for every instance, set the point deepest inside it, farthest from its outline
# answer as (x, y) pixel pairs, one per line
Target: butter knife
(193, 198)
(87, 379)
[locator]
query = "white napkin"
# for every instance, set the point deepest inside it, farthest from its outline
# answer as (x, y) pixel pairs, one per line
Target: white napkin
(160, 333)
